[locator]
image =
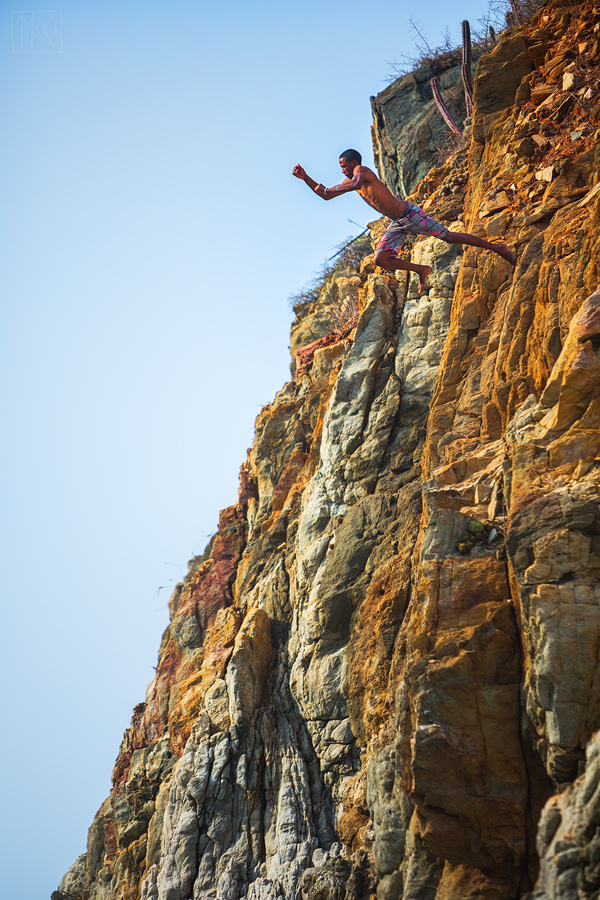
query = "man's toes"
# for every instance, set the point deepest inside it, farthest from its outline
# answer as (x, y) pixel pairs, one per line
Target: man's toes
(507, 254)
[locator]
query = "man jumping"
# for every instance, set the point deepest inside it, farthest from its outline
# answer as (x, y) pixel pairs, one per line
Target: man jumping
(406, 218)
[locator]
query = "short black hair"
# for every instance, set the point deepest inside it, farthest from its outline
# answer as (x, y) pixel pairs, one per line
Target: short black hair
(351, 154)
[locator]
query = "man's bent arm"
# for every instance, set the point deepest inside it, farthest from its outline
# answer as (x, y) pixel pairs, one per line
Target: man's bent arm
(351, 184)
(319, 189)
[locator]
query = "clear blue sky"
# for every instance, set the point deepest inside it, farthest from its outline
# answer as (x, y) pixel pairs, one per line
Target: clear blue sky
(152, 233)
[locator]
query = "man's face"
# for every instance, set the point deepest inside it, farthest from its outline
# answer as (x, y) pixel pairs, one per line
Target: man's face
(348, 166)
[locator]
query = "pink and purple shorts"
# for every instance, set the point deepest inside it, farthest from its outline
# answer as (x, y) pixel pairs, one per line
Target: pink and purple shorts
(414, 221)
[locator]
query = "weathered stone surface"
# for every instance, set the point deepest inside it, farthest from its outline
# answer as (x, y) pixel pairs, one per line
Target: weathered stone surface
(569, 836)
(554, 546)
(499, 75)
(73, 881)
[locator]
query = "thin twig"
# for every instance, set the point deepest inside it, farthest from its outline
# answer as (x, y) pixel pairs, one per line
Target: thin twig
(341, 250)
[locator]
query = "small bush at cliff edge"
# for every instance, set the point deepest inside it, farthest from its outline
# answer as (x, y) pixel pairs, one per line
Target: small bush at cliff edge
(350, 253)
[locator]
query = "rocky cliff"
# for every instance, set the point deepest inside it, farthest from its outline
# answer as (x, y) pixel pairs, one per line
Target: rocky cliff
(408, 130)
(381, 679)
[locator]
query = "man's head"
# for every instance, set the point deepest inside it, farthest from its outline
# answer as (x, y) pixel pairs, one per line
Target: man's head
(349, 160)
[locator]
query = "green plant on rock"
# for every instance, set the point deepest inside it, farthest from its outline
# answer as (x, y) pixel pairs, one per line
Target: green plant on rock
(477, 533)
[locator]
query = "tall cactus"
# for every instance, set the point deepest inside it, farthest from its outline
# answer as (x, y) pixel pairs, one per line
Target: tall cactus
(437, 96)
(467, 79)
(466, 72)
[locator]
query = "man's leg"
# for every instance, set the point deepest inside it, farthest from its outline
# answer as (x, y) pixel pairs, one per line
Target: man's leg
(459, 237)
(387, 260)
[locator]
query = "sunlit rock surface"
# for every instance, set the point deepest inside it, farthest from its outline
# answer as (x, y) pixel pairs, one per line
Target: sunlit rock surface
(381, 679)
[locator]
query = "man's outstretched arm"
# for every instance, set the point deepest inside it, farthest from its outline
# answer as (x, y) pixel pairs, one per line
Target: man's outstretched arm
(350, 184)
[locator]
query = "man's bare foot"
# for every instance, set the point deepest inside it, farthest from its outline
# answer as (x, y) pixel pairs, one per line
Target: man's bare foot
(422, 272)
(506, 253)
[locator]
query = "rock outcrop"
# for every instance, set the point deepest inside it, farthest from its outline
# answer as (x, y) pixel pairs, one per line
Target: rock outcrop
(408, 131)
(381, 679)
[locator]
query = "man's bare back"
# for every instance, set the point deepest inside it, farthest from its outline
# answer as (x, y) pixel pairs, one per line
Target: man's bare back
(365, 182)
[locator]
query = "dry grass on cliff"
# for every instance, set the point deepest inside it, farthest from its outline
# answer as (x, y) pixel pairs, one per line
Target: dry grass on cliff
(515, 12)
(345, 315)
(439, 58)
(501, 14)
(346, 261)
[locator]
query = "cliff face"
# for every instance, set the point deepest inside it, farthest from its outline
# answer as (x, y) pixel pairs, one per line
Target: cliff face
(381, 679)
(408, 130)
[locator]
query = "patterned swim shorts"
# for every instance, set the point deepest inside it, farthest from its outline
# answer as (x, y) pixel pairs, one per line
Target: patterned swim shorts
(414, 221)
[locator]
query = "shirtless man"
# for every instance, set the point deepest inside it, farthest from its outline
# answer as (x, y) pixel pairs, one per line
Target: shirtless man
(406, 218)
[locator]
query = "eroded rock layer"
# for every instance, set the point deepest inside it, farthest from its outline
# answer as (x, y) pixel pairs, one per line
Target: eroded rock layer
(381, 679)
